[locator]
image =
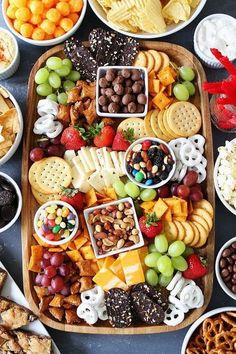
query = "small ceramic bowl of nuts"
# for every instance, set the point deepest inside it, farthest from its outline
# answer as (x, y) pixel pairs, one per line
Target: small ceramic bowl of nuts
(149, 162)
(113, 228)
(122, 91)
(225, 267)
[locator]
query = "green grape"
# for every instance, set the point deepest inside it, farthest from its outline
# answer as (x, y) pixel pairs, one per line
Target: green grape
(161, 243)
(52, 97)
(168, 272)
(164, 281)
(186, 73)
(164, 264)
(181, 92)
(156, 269)
(152, 248)
(188, 251)
(132, 189)
(44, 89)
(54, 80)
(54, 63)
(67, 62)
(41, 76)
(179, 263)
(148, 194)
(119, 188)
(176, 248)
(151, 277)
(151, 259)
(190, 87)
(63, 71)
(73, 76)
(62, 98)
(67, 85)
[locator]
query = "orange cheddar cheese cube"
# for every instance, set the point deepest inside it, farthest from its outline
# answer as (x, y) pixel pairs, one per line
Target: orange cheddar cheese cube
(160, 208)
(117, 269)
(132, 267)
(80, 241)
(161, 101)
(87, 252)
(108, 280)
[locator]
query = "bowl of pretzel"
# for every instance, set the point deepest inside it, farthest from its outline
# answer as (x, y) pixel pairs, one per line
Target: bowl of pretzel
(213, 333)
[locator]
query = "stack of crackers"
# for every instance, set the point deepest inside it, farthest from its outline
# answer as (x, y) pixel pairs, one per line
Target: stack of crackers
(9, 123)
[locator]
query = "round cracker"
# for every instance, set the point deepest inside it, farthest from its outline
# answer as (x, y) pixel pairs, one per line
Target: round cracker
(171, 230)
(204, 204)
(203, 235)
(184, 119)
(205, 215)
(137, 124)
(199, 219)
(150, 61)
(53, 174)
(165, 60)
(196, 234)
(154, 120)
(157, 59)
(42, 198)
(147, 125)
(140, 60)
(189, 233)
(33, 176)
(167, 128)
(162, 127)
(181, 230)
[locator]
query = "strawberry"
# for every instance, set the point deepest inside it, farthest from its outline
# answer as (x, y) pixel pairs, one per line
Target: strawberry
(150, 226)
(123, 139)
(102, 135)
(197, 267)
(73, 197)
(73, 138)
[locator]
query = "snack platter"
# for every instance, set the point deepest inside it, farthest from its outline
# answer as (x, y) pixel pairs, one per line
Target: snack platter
(181, 57)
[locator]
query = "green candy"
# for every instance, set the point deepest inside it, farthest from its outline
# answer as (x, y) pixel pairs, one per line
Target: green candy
(139, 176)
(56, 229)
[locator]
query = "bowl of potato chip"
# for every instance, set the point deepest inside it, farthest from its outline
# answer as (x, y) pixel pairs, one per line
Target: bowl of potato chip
(147, 18)
(11, 125)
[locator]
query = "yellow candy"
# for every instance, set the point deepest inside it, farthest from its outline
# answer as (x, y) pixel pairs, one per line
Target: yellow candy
(66, 233)
(50, 209)
(65, 212)
(51, 216)
(39, 223)
(58, 220)
(59, 212)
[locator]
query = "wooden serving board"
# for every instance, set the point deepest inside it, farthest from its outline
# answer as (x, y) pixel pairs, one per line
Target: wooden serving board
(182, 57)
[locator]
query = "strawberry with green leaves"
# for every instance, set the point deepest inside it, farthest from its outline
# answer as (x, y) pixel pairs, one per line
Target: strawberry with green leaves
(123, 139)
(197, 267)
(103, 135)
(74, 137)
(150, 226)
(73, 197)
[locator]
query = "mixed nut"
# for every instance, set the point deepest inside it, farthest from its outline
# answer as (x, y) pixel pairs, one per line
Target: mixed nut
(114, 227)
(228, 267)
(122, 91)
(149, 162)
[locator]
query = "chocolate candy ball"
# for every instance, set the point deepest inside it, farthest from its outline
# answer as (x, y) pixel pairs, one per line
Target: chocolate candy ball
(103, 82)
(125, 73)
(116, 98)
(128, 90)
(140, 108)
(102, 100)
(137, 88)
(119, 89)
(110, 75)
(118, 80)
(132, 108)
(141, 98)
(109, 92)
(126, 99)
(113, 107)
(136, 75)
(128, 83)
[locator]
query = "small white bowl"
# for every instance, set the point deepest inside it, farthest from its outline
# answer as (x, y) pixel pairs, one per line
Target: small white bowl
(12, 68)
(101, 14)
(199, 321)
(218, 191)
(212, 63)
(19, 207)
(48, 42)
(153, 186)
(63, 204)
(217, 269)
(100, 73)
(18, 137)
(90, 229)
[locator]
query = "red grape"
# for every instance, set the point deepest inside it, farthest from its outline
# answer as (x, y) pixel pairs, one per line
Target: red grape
(50, 271)
(66, 290)
(57, 140)
(38, 279)
(195, 188)
(55, 150)
(190, 178)
(51, 290)
(43, 143)
(173, 189)
(45, 281)
(183, 191)
(57, 259)
(64, 270)
(163, 192)
(57, 283)
(47, 255)
(44, 263)
(36, 154)
(196, 196)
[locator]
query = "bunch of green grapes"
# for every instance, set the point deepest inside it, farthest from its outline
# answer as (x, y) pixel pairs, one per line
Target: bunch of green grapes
(55, 79)
(186, 88)
(132, 190)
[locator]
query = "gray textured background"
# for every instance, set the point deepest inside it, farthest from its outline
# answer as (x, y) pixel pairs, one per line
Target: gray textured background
(10, 241)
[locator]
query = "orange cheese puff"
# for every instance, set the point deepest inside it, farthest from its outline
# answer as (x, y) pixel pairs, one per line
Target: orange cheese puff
(76, 5)
(11, 11)
(36, 7)
(36, 19)
(20, 3)
(26, 30)
(53, 15)
(49, 3)
(23, 14)
(64, 8)
(38, 34)
(74, 17)
(66, 24)
(48, 36)
(59, 32)
(17, 24)
(48, 26)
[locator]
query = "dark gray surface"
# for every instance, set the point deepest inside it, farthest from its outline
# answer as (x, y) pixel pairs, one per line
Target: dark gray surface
(10, 241)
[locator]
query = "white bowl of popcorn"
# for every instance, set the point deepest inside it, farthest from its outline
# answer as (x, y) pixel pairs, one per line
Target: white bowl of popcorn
(225, 175)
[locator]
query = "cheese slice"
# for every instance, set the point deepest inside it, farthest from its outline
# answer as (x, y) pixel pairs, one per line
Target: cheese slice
(108, 261)
(107, 158)
(143, 252)
(132, 267)
(121, 155)
(68, 156)
(96, 180)
(95, 158)
(99, 153)
(80, 180)
(117, 269)
(116, 162)
(107, 280)
(84, 162)
(110, 176)
(80, 167)
(85, 152)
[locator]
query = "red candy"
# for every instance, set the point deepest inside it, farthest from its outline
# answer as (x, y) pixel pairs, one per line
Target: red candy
(146, 144)
(50, 236)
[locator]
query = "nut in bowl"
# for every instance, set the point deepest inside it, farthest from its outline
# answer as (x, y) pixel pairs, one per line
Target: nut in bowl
(56, 222)
(113, 228)
(149, 162)
(122, 91)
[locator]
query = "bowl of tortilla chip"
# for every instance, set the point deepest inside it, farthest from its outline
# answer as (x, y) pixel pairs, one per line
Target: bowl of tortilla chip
(11, 125)
(147, 18)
